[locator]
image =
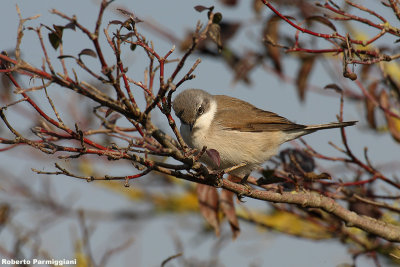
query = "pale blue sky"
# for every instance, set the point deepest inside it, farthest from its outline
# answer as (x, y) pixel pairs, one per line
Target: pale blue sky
(152, 240)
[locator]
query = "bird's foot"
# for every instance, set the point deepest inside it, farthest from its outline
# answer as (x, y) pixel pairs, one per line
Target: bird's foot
(218, 174)
(244, 179)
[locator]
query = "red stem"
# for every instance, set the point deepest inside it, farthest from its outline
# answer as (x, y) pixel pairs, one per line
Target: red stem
(54, 122)
(323, 35)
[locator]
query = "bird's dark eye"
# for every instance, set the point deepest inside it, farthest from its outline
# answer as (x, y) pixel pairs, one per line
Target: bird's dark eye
(200, 111)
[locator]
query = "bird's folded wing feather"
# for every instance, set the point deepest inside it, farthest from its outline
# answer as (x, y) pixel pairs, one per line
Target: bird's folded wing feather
(239, 115)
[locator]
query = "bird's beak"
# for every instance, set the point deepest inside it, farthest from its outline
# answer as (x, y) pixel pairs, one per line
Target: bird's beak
(191, 126)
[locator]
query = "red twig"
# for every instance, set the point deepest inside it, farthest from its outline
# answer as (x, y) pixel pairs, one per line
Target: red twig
(323, 35)
(383, 27)
(52, 121)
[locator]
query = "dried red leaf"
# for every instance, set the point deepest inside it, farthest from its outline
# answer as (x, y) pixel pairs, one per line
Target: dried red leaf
(200, 8)
(370, 106)
(87, 52)
(116, 22)
(70, 26)
(364, 72)
(65, 56)
(297, 161)
(55, 40)
(209, 205)
(214, 155)
(230, 3)
(271, 33)
(228, 208)
(59, 30)
(303, 74)
(335, 87)
(4, 214)
(228, 30)
(113, 119)
(366, 209)
(393, 123)
(258, 7)
(214, 33)
(393, 83)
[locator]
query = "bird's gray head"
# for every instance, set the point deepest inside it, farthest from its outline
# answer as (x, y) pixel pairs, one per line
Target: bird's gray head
(191, 104)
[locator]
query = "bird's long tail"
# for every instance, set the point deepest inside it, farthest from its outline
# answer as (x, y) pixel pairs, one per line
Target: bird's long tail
(316, 127)
(293, 134)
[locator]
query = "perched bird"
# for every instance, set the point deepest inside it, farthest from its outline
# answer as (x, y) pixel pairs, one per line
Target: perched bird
(242, 134)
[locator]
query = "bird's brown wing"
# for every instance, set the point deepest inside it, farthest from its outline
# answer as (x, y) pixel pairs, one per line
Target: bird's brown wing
(236, 114)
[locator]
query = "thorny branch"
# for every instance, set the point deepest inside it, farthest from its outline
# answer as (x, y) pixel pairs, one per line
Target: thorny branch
(293, 181)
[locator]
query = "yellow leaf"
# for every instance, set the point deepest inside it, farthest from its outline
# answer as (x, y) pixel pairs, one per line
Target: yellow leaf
(132, 193)
(393, 69)
(286, 222)
(86, 167)
(81, 259)
(185, 202)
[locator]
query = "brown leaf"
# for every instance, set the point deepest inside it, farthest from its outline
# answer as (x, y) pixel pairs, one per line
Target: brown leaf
(242, 68)
(4, 213)
(65, 56)
(364, 72)
(362, 208)
(214, 155)
(214, 33)
(70, 26)
(303, 74)
(200, 8)
(5, 83)
(186, 41)
(269, 178)
(87, 52)
(113, 119)
(393, 84)
(228, 30)
(365, 209)
(393, 123)
(228, 208)
(322, 20)
(59, 30)
(317, 176)
(297, 161)
(335, 87)
(55, 40)
(370, 106)
(271, 33)
(209, 205)
(230, 3)
(257, 7)
(217, 18)
(116, 22)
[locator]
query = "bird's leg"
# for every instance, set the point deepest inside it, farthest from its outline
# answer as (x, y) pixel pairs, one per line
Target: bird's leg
(248, 188)
(220, 173)
(244, 179)
(230, 169)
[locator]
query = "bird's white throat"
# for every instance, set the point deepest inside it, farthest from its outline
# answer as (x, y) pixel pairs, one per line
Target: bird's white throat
(196, 137)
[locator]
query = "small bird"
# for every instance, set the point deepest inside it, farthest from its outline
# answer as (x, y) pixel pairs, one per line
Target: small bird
(243, 135)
